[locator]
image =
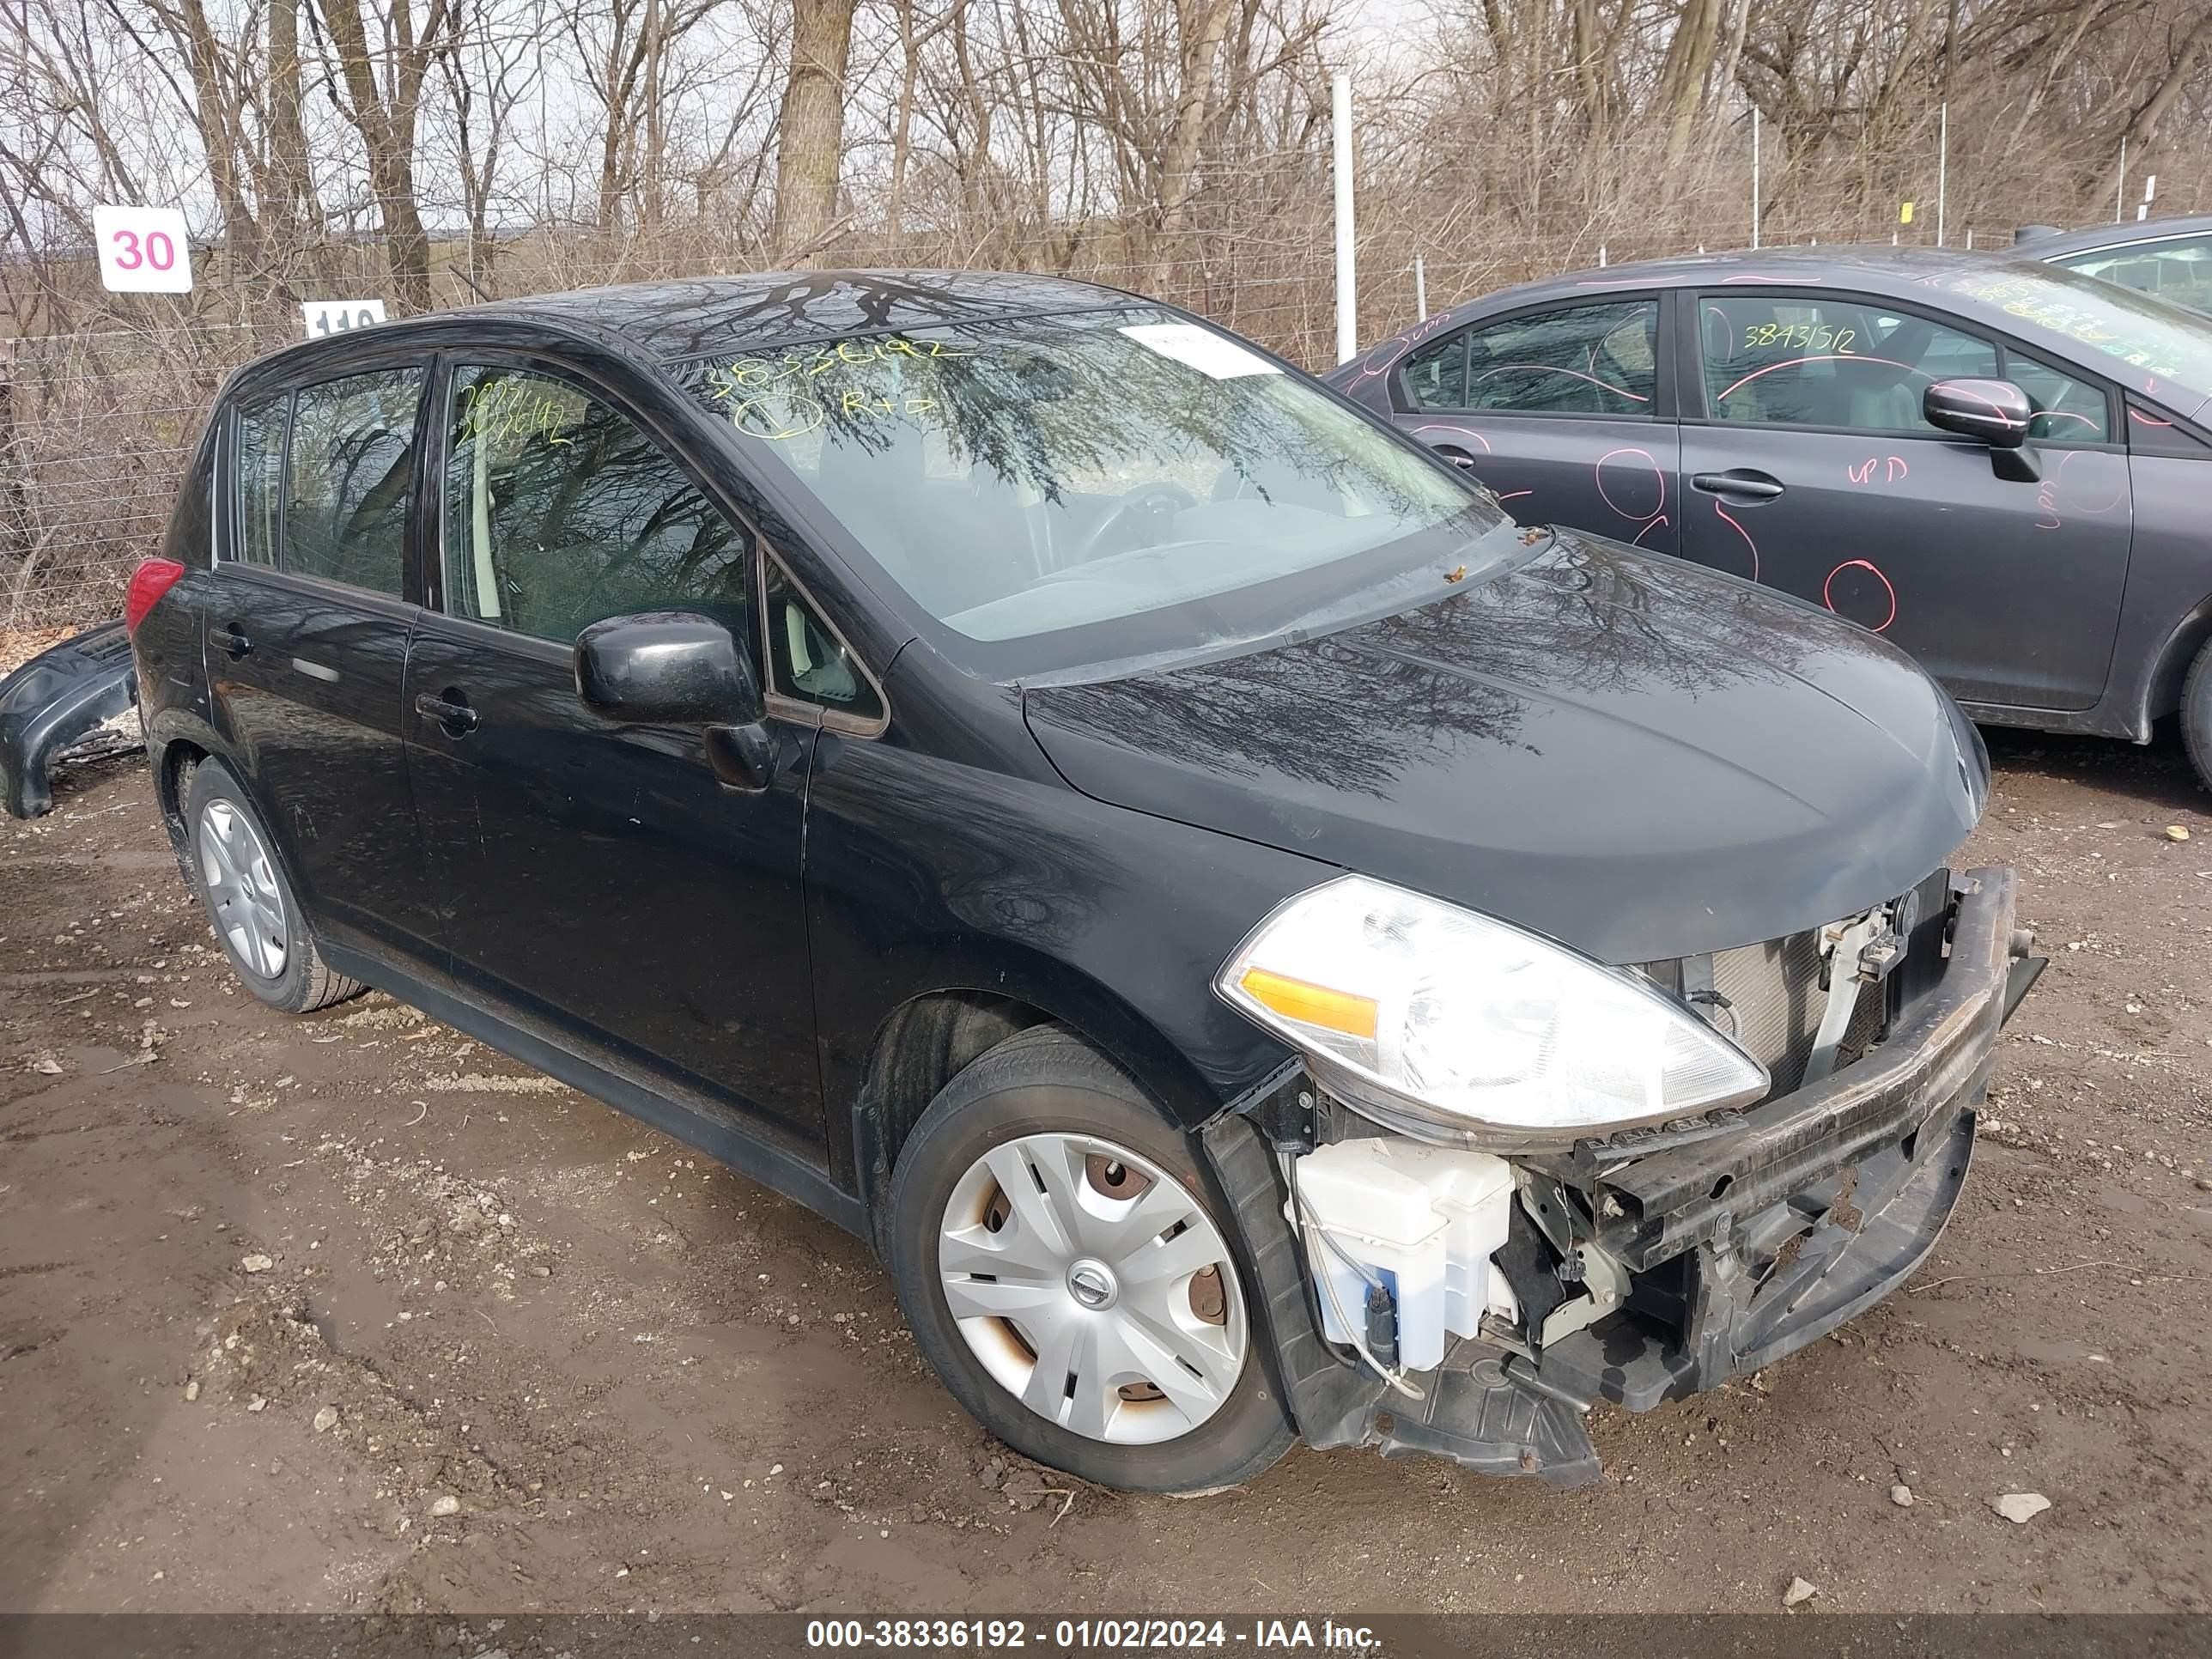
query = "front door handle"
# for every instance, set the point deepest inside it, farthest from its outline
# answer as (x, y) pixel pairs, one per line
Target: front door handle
(234, 642)
(1458, 456)
(451, 712)
(1739, 481)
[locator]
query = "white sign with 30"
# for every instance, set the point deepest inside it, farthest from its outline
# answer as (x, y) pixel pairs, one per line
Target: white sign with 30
(143, 250)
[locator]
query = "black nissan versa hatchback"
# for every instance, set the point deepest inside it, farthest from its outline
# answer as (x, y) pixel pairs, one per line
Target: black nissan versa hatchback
(1261, 944)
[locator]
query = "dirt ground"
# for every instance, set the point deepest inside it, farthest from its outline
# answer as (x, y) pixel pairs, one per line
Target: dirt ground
(349, 1313)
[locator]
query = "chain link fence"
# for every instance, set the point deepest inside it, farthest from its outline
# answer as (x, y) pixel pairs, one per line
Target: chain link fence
(96, 422)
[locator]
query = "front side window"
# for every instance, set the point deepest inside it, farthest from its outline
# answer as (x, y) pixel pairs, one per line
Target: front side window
(347, 470)
(1834, 361)
(558, 512)
(1581, 360)
(1078, 489)
(2066, 410)
(2179, 270)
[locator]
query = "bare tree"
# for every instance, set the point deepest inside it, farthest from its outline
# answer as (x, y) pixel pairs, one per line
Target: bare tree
(812, 127)
(384, 113)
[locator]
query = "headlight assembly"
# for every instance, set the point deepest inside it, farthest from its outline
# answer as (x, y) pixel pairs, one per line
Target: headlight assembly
(1414, 1009)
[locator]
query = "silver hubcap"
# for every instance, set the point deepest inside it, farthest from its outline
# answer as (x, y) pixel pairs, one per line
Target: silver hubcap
(1092, 1286)
(242, 891)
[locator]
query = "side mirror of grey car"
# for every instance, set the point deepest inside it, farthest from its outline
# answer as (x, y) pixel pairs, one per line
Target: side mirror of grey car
(666, 667)
(1993, 412)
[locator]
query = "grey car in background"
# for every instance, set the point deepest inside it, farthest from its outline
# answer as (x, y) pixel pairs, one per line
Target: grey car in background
(2001, 466)
(2170, 258)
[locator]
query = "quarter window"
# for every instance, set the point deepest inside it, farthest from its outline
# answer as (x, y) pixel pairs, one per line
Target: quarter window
(1840, 363)
(1435, 375)
(559, 511)
(261, 481)
(807, 660)
(1580, 360)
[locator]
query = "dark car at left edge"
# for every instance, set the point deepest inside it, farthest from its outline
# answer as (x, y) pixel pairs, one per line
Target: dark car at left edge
(1261, 944)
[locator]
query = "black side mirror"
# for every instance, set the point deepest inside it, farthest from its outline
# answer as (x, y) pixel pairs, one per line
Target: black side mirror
(1994, 412)
(666, 667)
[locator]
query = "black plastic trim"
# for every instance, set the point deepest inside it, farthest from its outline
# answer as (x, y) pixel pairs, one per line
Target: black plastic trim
(717, 1136)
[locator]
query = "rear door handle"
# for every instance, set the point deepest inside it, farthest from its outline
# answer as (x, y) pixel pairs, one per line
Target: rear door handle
(1739, 481)
(1458, 456)
(234, 640)
(451, 712)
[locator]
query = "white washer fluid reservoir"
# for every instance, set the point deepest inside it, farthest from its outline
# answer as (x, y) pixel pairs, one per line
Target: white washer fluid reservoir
(1424, 1220)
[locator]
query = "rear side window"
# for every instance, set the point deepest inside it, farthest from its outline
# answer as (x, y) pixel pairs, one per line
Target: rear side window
(347, 468)
(2067, 410)
(559, 511)
(1580, 360)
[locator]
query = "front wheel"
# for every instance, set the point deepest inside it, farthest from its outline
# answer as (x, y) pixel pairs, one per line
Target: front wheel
(1059, 1260)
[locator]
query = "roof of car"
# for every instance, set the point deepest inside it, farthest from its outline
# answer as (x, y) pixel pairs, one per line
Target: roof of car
(1900, 268)
(2125, 234)
(694, 317)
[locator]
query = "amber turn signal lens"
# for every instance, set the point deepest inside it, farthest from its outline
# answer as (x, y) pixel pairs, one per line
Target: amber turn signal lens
(1311, 1004)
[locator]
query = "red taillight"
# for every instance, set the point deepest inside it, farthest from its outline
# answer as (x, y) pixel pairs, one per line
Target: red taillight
(148, 583)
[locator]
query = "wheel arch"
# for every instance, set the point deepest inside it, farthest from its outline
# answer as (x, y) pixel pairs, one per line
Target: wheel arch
(2160, 693)
(932, 1034)
(176, 743)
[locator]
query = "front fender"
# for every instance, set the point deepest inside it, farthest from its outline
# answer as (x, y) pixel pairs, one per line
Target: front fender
(53, 700)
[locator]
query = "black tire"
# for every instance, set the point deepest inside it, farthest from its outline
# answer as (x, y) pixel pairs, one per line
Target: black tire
(306, 982)
(1042, 1080)
(2197, 716)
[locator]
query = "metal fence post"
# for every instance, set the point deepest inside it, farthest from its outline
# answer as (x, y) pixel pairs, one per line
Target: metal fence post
(1943, 165)
(1754, 175)
(1347, 294)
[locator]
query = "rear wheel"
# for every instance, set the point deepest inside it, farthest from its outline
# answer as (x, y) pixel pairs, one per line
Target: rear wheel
(2197, 716)
(250, 901)
(1059, 1260)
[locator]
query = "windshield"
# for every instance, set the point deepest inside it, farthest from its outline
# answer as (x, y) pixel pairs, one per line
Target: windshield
(1111, 484)
(2169, 349)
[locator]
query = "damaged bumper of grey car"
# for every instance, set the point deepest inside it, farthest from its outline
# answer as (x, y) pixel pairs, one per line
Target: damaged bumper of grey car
(1642, 1273)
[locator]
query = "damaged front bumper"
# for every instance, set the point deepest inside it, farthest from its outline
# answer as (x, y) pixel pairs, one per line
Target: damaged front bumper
(54, 700)
(1737, 1248)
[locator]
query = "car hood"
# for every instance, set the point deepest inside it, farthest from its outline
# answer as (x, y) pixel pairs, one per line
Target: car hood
(1636, 756)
